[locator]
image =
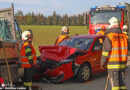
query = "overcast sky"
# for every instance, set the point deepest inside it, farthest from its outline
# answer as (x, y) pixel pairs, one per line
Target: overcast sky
(46, 7)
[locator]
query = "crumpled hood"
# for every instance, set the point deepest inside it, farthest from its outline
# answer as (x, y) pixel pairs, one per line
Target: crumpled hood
(56, 52)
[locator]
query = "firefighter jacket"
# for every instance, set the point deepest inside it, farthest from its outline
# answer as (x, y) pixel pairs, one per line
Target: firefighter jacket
(28, 55)
(115, 50)
(60, 39)
(100, 33)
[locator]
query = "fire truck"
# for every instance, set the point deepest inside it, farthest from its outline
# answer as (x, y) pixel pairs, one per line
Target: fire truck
(99, 16)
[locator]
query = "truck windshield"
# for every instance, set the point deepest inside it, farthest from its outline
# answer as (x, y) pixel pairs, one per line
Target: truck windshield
(100, 17)
(79, 43)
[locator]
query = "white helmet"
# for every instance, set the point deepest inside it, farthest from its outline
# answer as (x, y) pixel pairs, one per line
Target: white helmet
(125, 27)
(65, 29)
(26, 35)
(113, 21)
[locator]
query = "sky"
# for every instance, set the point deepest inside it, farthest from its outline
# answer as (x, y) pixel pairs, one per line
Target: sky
(46, 7)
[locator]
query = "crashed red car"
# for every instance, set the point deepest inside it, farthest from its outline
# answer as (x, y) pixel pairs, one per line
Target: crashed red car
(78, 56)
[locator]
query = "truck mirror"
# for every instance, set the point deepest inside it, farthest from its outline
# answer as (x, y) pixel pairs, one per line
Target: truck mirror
(1, 45)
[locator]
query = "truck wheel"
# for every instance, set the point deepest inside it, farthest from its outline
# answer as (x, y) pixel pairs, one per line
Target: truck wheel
(84, 73)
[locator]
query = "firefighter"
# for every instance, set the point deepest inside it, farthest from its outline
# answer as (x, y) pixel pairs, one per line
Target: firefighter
(114, 54)
(102, 31)
(28, 58)
(125, 29)
(63, 35)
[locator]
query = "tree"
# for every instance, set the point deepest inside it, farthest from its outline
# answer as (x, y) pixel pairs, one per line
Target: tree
(54, 18)
(49, 22)
(65, 20)
(19, 16)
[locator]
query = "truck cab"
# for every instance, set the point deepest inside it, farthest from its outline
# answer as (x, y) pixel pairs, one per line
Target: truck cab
(10, 39)
(99, 16)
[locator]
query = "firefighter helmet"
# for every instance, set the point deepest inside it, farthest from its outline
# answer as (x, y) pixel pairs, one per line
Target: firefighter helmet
(125, 27)
(65, 29)
(113, 22)
(27, 34)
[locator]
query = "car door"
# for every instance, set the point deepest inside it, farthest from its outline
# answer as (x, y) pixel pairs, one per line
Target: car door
(97, 52)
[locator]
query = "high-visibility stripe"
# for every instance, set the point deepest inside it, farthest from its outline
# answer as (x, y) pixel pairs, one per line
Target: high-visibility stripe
(118, 88)
(118, 56)
(28, 83)
(119, 48)
(115, 88)
(26, 56)
(25, 63)
(34, 61)
(105, 53)
(28, 62)
(124, 32)
(116, 66)
(30, 57)
(28, 50)
(123, 87)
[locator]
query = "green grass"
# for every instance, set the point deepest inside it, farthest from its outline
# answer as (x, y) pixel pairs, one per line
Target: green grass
(46, 35)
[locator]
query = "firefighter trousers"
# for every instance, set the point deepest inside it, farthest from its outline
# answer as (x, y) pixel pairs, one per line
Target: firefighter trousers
(117, 79)
(28, 76)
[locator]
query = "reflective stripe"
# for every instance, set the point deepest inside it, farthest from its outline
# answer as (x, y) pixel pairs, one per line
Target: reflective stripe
(35, 62)
(115, 88)
(116, 66)
(28, 50)
(26, 56)
(25, 63)
(118, 56)
(105, 53)
(123, 87)
(124, 32)
(119, 48)
(28, 83)
(118, 88)
(28, 62)
(30, 57)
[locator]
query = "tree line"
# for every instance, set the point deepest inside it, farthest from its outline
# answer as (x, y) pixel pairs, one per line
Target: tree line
(54, 19)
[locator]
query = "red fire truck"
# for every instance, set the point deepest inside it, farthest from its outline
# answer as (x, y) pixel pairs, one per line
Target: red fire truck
(99, 16)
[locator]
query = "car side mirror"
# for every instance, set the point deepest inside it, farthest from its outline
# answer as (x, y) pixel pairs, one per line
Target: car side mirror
(1, 45)
(97, 48)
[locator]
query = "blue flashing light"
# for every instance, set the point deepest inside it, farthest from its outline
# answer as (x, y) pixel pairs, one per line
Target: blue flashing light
(121, 6)
(93, 8)
(97, 30)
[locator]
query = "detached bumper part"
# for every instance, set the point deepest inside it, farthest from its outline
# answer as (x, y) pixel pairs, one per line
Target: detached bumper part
(57, 79)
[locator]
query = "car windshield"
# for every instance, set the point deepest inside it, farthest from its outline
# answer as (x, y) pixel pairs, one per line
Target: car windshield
(79, 43)
(103, 17)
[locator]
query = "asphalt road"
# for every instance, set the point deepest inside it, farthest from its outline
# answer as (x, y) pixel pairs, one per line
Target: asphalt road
(96, 83)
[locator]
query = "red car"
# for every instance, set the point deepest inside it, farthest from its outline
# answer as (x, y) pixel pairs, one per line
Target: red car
(78, 56)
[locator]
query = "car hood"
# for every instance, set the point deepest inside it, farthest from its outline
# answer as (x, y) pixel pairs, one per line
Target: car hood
(56, 52)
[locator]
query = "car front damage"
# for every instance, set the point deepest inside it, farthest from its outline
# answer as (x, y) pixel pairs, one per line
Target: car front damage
(58, 62)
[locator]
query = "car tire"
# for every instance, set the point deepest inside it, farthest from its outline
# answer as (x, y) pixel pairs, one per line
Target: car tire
(84, 73)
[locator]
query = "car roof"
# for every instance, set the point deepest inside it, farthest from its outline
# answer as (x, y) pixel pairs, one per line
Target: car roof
(87, 36)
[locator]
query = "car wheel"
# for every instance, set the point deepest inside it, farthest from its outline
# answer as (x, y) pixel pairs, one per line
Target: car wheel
(84, 73)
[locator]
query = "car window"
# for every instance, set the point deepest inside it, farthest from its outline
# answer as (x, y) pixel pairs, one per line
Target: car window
(5, 30)
(99, 43)
(79, 43)
(18, 32)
